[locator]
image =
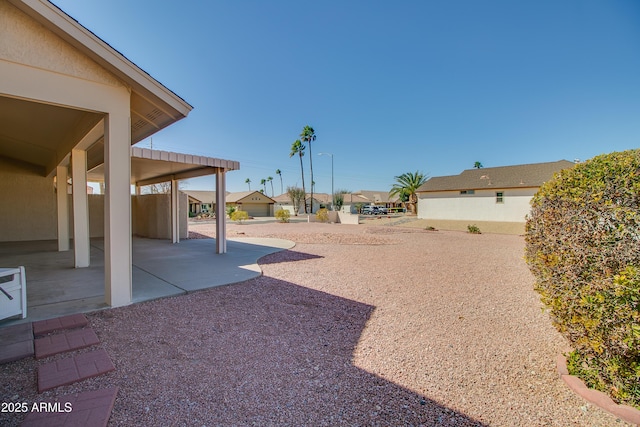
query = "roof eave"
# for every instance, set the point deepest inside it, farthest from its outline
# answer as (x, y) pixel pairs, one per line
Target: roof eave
(65, 27)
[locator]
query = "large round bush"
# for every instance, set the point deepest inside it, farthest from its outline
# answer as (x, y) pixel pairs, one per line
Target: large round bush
(583, 246)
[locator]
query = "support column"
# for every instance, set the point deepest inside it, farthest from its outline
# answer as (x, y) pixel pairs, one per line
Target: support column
(221, 214)
(80, 208)
(63, 208)
(175, 212)
(117, 208)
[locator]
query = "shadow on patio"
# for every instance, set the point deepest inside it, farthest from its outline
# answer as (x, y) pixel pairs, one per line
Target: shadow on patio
(160, 269)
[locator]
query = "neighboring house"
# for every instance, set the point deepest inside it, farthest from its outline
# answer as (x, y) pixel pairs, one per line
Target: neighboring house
(71, 106)
(369, 197)
(320, 200)
(495, 199)
(254, 203)
(201, 201)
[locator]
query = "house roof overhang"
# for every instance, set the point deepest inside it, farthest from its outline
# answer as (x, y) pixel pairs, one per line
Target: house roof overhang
(152, 105)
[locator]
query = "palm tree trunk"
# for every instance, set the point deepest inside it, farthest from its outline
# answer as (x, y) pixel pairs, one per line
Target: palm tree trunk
(304, 190)
(311, 167)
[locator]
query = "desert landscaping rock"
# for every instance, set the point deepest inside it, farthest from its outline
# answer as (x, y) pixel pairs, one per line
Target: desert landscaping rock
(355, 325)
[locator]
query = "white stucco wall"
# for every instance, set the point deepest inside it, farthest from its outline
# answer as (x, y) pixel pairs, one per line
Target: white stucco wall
(481, 206)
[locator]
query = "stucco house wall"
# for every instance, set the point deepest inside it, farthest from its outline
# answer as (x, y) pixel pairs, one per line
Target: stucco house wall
(28, 201)
(480, 206)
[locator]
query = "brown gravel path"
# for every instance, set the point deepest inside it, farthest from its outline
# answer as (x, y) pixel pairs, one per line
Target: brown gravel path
(356, 325)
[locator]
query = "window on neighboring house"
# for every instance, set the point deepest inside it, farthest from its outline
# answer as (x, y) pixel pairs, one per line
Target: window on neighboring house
(467, 191)
(499, 197)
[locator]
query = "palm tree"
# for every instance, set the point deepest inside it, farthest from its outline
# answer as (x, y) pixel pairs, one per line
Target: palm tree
(406, 185)
(477, 165)
(263, 182)
(270, 179)
(248, 181)
(279, 173)
(298, 148)
(308, 135)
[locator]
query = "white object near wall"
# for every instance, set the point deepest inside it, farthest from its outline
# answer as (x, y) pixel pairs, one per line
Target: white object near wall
(13, 293)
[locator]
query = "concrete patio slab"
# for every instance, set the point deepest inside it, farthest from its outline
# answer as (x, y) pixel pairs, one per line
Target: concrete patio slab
(160, 269)
(16, 342)
(90, 408)
(73, 369)
(73, 340)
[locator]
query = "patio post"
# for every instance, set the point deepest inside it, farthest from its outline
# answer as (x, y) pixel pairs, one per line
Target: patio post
(63, 208)
(117, 206)
(175, 212)
(80, 207)
(221, 229)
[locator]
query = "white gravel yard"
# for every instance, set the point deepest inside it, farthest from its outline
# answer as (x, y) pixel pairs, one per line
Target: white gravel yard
(356, 325)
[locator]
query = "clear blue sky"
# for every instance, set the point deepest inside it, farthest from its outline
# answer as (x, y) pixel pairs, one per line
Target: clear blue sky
(389, 86)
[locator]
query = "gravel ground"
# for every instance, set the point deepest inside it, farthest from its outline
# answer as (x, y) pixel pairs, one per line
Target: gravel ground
(356, 325)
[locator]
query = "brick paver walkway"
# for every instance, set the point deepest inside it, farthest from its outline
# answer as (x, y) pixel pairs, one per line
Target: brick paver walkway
(73, 369)
(73, 340)
(90, 408)
(66, 322)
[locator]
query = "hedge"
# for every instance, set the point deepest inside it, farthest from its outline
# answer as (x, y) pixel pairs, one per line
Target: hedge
(583, 247)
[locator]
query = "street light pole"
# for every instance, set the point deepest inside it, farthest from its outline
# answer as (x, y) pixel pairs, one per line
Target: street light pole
(332, 195)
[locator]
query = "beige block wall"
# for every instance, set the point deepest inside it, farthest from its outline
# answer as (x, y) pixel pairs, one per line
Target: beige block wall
(27, 203)
(152, 215)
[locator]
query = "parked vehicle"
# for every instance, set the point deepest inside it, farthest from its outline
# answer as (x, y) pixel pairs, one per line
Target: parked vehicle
(371, 210)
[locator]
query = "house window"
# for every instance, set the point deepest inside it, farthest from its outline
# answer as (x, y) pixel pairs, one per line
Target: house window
(499, 197)
(467, 191)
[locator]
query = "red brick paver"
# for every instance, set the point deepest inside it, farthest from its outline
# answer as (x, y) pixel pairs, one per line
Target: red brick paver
(54, 344)
(66, 322)
(90, 408)
(73, 369)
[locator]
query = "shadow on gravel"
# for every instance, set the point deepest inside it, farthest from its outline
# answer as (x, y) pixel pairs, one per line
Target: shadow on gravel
(263, 352)
(287, 256)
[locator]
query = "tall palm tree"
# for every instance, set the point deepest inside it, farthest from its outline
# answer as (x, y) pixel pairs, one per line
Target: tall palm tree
(248, 181)
(298, 148)
(406, 185)
(308, 135)
(270, 179)
(279, 173)
(263, 182)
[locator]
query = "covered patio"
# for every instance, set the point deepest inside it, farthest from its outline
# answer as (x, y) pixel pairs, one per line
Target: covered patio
(159, 269)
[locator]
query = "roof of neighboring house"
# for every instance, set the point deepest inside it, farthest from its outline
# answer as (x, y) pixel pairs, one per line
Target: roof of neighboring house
(518, 176)
(239, 196)
(319, 197)
(377, 196)
(201, 195)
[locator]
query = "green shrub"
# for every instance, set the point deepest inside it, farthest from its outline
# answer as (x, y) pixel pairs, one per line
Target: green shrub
(239, 216)
(283, 215)
(583, 247)
(230, 211)
(322, 215)
(473, 229)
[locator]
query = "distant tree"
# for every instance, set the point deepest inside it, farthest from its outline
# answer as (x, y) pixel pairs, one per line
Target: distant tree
(338, 199)
(406, 185)
(308, 135)
(279, 173)
(297, 196)
(270, 179)
(248, 181)
(298, 148)
(263, 182)
(477, 165)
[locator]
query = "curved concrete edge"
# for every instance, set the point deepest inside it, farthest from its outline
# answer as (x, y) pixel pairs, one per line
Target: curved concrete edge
(265, 241)
(598, 398)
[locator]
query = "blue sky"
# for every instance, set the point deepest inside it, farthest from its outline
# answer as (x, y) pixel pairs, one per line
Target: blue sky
(389, 86)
